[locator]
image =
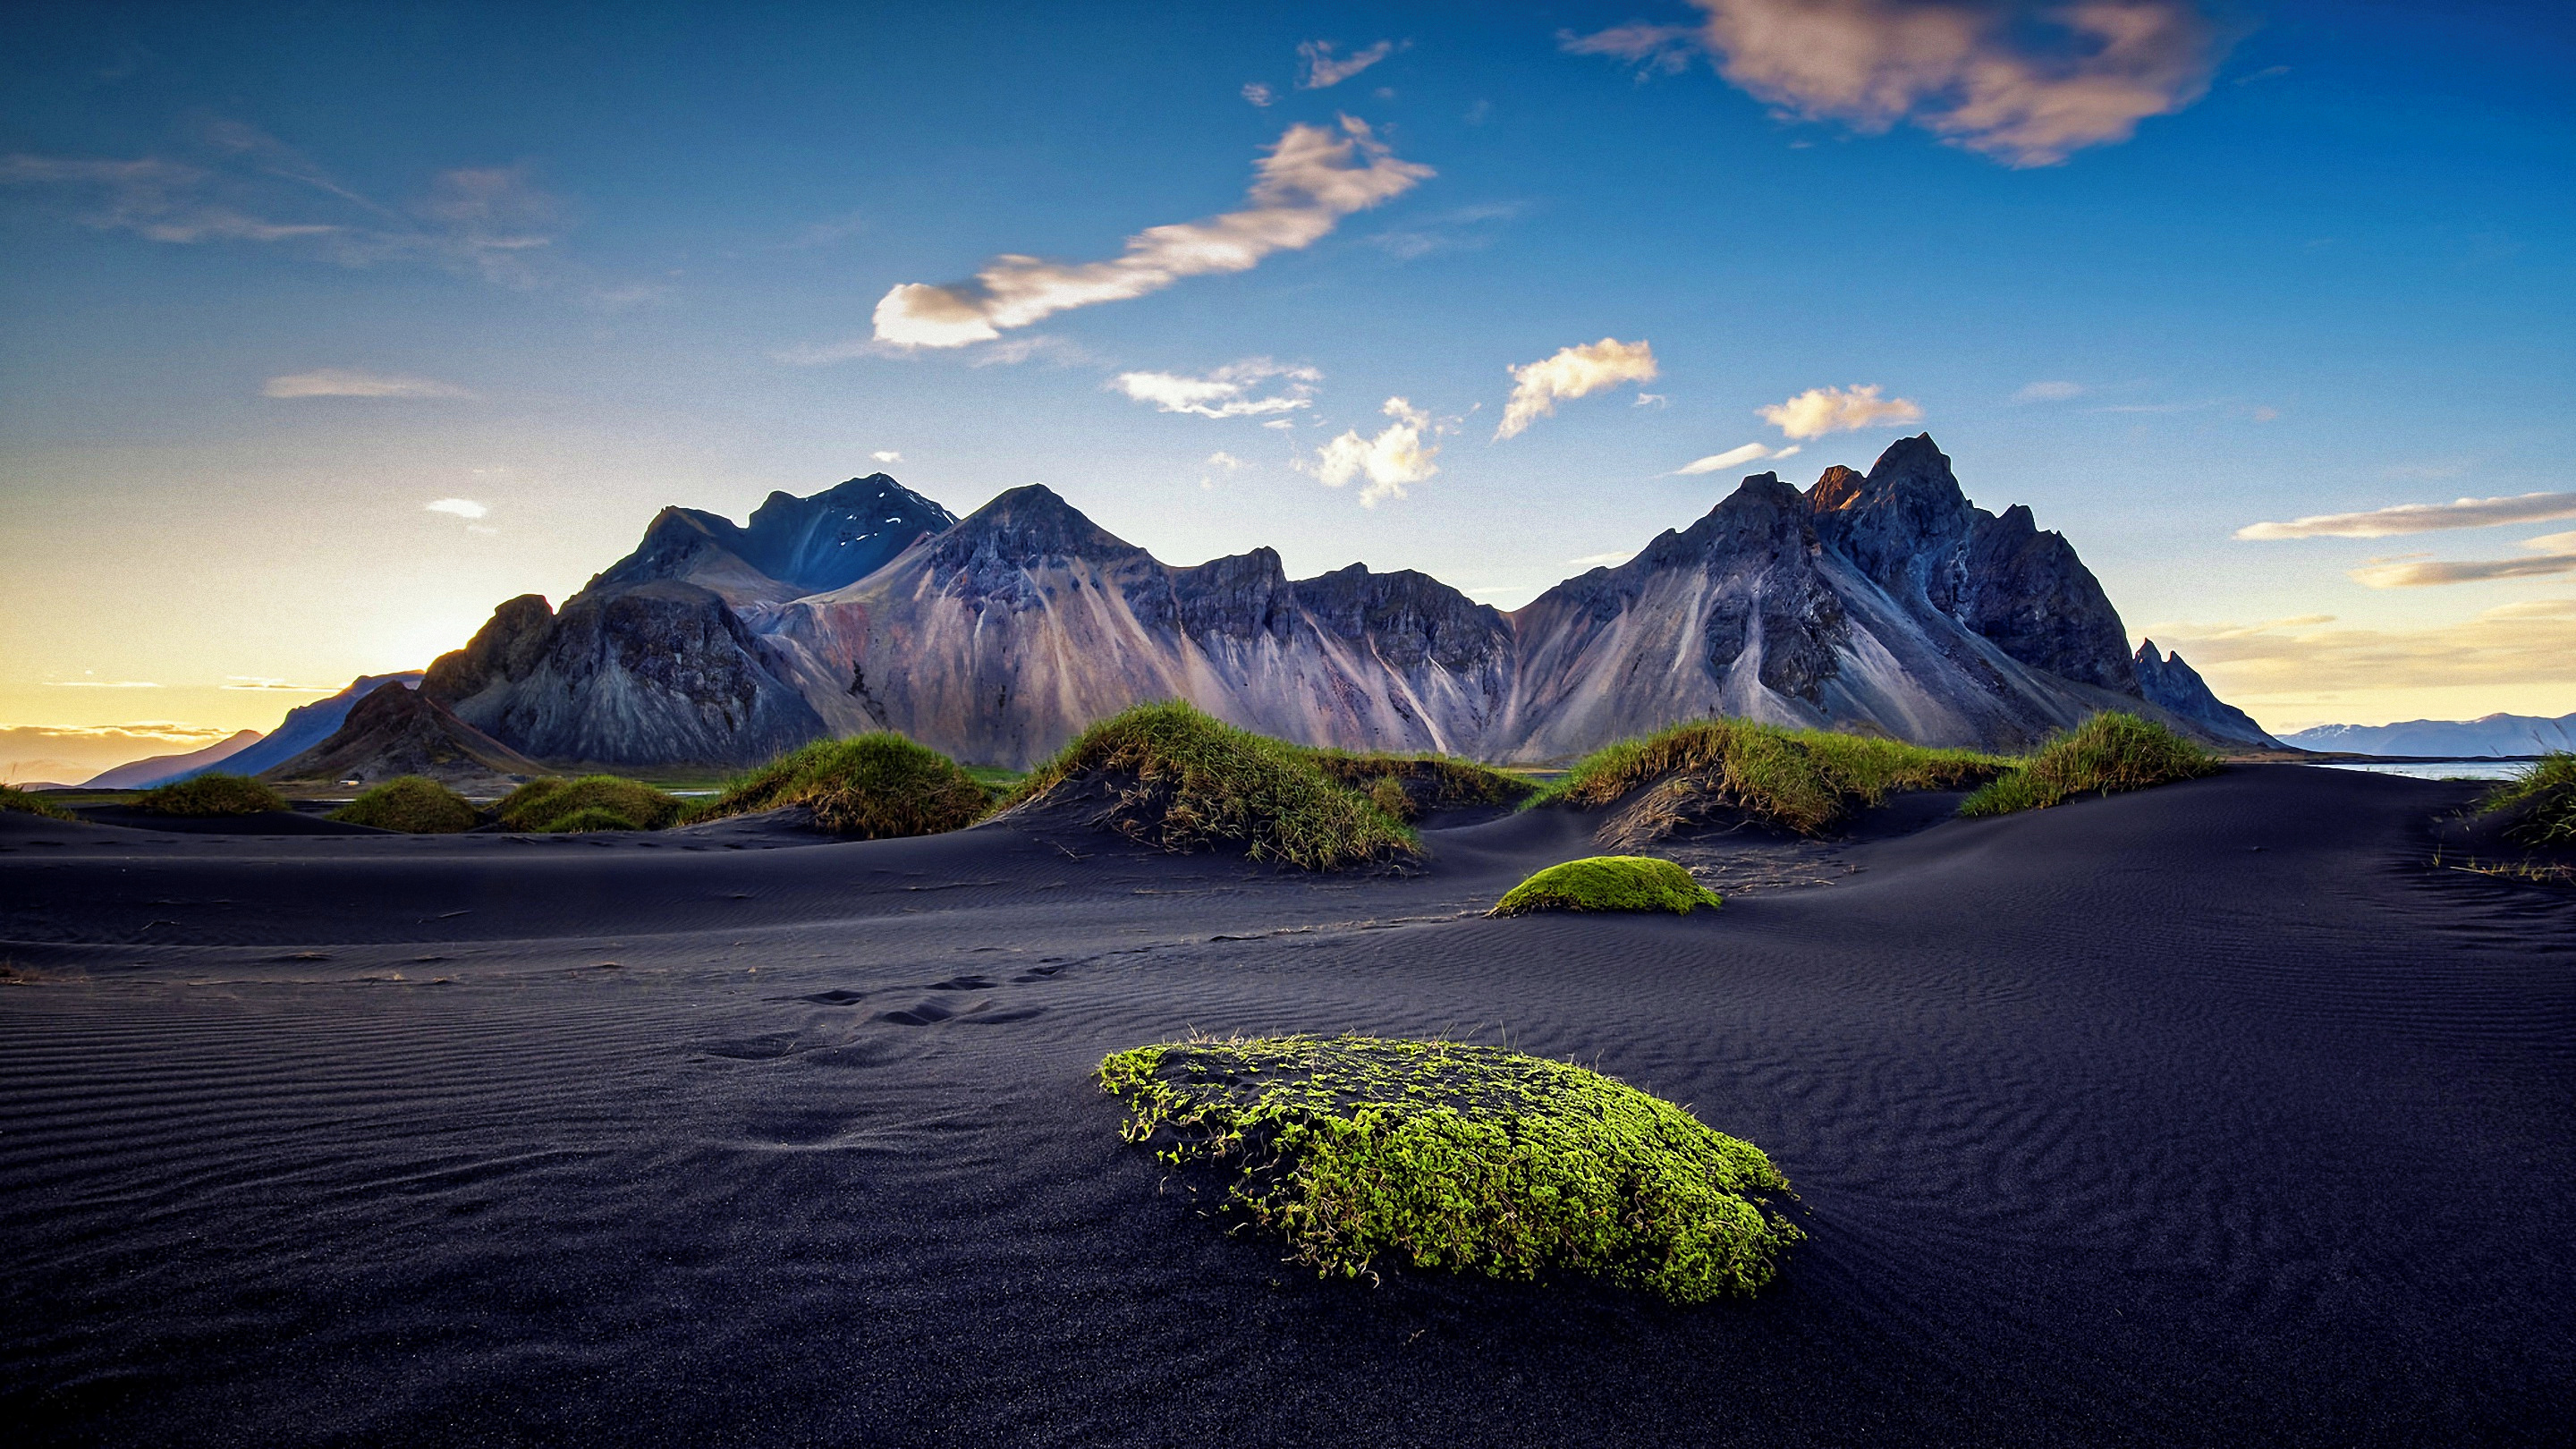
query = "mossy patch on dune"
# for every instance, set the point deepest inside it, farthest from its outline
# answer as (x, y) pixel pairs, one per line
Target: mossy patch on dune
(1608, 883)
(14, 799)
(1441, 1155)
(1171, 777)
(212, 794)
(2109, 753)
(2538, 806)
(876, 786)
(412, 804)
(1404, 786)
(606, 802)
(1724, 771)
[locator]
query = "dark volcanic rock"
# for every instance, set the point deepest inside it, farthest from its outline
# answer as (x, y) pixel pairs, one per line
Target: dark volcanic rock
(1405, 617)
(399, 731)
(2027, 591)
(2171, 684)
(792, 547)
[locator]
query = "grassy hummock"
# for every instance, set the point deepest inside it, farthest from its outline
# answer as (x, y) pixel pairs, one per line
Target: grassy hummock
(1608, 883)
(875, 786)
(1466, 1158)
(605, 802)
(412, 804)
(2111, 752)
(1404, 786)
(1804, 781)
(1180, 781)
(13, 798)
(2539, 803)
(212, 794)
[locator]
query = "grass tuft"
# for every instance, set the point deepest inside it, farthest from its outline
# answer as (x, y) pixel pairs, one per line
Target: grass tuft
(212, 794)
(545, 804)
(1466, 1158)
(2106, 754)
(590, 817)
(14, 799)
(1608, 883)
(1402, 787)
(2541, 800)
(1180, 781)
(1804, 781)
(412, 804)
(877, 786)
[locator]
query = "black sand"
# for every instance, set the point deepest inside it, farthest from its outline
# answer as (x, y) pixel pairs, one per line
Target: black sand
(2211, 1114)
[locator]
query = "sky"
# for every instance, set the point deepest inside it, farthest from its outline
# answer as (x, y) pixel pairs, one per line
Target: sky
(324, 329)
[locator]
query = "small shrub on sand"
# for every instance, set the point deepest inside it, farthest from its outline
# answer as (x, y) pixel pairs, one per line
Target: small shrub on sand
(1175, 779)
(590, 817)
(1608, 883)
(545, 804)
(875, 786)
(1466, 1158)
(2106, 754)
(213, 794)
(14, 799)
(1403, 786)
(2540, 802)
(412, 804)
(1805, 781)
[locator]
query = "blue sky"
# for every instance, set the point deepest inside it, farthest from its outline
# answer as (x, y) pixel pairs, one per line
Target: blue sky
(2198, 269)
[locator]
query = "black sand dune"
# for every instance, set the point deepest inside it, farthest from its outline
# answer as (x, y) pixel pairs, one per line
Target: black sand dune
(2210, 1114)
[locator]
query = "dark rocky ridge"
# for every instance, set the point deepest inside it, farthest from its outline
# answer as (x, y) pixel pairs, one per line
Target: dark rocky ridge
(2166, 680)
(397, 730)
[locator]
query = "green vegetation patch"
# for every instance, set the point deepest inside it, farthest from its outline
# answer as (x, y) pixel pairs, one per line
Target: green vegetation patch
(1465, 1158)
(1180, 781)
(548, 804)
(876, 786)
(2111, 752)
(2540, 803)
(1804, 781)
(212, 794)
(1608, 883)
(412, 804)
(1404, 786)
(13, 798)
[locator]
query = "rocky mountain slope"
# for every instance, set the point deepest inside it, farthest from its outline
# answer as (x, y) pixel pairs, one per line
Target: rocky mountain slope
(1882, 601)
(2164, 679)
(2495, 734)
(154, 770)
(397, 730)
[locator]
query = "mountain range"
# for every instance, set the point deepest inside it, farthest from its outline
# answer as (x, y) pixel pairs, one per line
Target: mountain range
(1881, 602)
(304, 727)
(2495, 734)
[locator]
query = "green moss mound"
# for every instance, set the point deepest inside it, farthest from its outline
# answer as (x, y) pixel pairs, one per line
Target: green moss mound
(1608, 883)
(412, 804)
(877, 786)
(1465, 1158)
(545, 804)
(590, 817)
(2539, 804)
(2111, 752)
(1707, 771)
(1402, 787)
(213, 794)
(1169, 776)
(13, 798)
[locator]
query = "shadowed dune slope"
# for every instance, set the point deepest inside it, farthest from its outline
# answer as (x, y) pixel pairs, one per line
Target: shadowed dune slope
(2204, 1115)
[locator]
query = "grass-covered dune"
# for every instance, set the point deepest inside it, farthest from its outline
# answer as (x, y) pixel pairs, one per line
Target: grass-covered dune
(2538, 806)
(1360, 1151)
(211, 794)
(1173, 778)
(869, 787)
(1608, 883)
(593, 802)
(2105, 755)
(1725, 771)
(14, 799)
(1405, 786)
(412, 804)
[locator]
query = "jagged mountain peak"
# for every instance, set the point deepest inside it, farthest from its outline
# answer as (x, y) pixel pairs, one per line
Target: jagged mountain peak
(1029, 524)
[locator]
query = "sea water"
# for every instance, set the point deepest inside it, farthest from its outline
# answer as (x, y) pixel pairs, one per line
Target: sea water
(2440, 769)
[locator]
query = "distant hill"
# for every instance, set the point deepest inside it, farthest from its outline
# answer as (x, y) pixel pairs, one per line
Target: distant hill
(2495, 734)
(397, 731)
(154, 770)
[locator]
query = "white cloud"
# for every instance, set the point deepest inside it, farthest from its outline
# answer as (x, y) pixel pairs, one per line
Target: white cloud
(342, 382)
(100, 684)
(1749, 453)
(1311, 179)
(280, 686)
(1573, 372)
(887, 455)
(1822, 410)
(1323, 69)
(2557, 550)
(2024, 82)
(1259, 94)
(461, 507)
(1224, 393)
(2520, 644)
(2408, 518)
(1281, 424)
(2553, 542)
(2049, 392)
(1227, 461)
(1392, 459)
(1603, 560)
